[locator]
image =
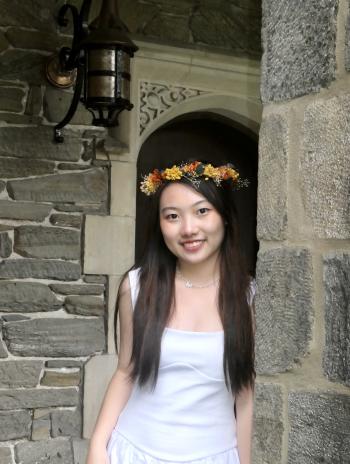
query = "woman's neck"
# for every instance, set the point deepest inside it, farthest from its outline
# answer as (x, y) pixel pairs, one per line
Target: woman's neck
(201, 272)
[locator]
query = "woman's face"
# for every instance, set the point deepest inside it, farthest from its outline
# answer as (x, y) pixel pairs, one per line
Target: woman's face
(192, 228)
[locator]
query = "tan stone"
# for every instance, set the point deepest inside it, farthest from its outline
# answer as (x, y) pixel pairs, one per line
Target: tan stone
(60, 379)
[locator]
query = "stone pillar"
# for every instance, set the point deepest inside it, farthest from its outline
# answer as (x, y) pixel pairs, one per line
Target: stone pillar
(303, 302)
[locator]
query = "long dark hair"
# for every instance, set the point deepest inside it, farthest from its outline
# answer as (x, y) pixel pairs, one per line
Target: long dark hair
(156, 295)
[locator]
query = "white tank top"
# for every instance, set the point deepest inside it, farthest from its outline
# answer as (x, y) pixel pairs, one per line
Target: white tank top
(190, 413)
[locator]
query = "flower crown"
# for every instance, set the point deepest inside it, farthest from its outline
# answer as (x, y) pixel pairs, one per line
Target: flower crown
(193, 172)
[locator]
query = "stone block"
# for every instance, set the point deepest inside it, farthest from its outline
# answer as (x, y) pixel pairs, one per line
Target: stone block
(45, 452)
(5, 245)
(56, 104)
(73, 166)
(38, 14)
(11, 99)
(19, 118)
(11, 168)
(14, 317)
(95, 279)
(272, 189)
(27, 297)
(26, 66)
(6, 455)
(36, 40)
(109, 244)
(3, 351)
(84, 187)
(80, 449)
(41, 429)
(63, 363)
(4, 45)
(68, 289)
(97, 208)
(37, 142)
(34, 101)
(23, 210)
(66, 220)
(19, 374)
(61, 379)
(325, 167)
(336, 279)
(319, 428)
(2, 186)
(38, 398)
(39, 269)
(123, 194)
(47, 242)
(268, 424)
(284, 308)
(55, 337)
(167, 28)
(299, 40)
(98, 373)
(15, 425)
(66, 423)
(85, 305)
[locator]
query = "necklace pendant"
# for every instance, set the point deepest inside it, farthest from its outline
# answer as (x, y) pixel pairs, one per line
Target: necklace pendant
(188, 284)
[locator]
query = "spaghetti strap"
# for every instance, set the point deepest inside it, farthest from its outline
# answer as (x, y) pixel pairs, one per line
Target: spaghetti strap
(134, 285)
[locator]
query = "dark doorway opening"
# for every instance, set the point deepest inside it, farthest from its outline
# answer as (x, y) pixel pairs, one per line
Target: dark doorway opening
(210, 137)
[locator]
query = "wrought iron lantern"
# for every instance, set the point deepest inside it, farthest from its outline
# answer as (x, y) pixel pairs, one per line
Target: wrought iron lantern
(99, 63)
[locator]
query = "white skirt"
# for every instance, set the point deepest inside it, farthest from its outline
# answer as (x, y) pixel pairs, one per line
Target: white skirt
(122, 451)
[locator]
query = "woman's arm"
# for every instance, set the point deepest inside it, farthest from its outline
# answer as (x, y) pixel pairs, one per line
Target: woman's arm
(244, 424)
(120, 387)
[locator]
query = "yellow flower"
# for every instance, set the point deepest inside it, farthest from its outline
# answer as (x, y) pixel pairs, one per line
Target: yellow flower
(210, 171)
(149, 185)
(173, 173)
(232, 173)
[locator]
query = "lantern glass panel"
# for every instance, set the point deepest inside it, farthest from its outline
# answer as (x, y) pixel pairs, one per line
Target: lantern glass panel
(102, 59)
(101, 86)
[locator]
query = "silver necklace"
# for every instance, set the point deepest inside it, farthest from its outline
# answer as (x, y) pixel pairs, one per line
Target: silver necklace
(190, 284)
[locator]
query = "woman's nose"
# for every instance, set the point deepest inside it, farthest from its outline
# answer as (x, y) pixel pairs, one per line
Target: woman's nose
(189, 226)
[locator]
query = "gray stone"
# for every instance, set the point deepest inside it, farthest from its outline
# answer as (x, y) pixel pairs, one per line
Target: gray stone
(60, 379)
(284, 310)
(27, 297)
(11, 99)
(15, 425)
(39, 269)
(14, 317)
(80, 448)
(85, 305)
(47, 242)
(347, 43)
(34, 101)
(45, 452)
(85, 187)
(66, 220)
(56, 105)
(63, 363)
(168, 28)
(18, 374)
(26, 66)
(23, 210)
(55, 337)
(68, 289)
(37, 14)
(319, 428)
(268, 424)
(25, 119)
(4, 45)
(37, 142)
(73, 167)
(36, 40)
(2, 186)
(272, 189)
(6, 455)
(97, 209)
(3, 351)
(336, 277)
(5, 245)
(12, 168)
(325, 167)
(30, 398)
(299, 40)
(41, 428)
(66, 423)
(95, 279)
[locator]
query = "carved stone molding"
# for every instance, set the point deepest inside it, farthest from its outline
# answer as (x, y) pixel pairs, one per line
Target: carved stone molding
(156, 99)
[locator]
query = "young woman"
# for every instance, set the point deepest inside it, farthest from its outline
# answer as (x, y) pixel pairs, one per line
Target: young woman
(183, 389)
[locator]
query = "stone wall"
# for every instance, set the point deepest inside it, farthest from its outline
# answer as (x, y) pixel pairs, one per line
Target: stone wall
(52, 316)
(303, 271)
(231, 26)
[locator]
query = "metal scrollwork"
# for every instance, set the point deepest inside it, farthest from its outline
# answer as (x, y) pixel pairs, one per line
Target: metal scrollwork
(156, 99)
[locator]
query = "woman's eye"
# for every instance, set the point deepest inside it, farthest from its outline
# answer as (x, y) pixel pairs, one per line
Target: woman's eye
(202, 211)
(171, 216)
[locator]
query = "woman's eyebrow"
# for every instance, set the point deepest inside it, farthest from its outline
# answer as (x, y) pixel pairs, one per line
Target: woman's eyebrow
(176, 208)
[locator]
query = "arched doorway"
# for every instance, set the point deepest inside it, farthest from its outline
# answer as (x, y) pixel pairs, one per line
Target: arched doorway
(212, 137)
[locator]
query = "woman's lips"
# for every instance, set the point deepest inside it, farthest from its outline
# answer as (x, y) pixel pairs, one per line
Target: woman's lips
(193, 245)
